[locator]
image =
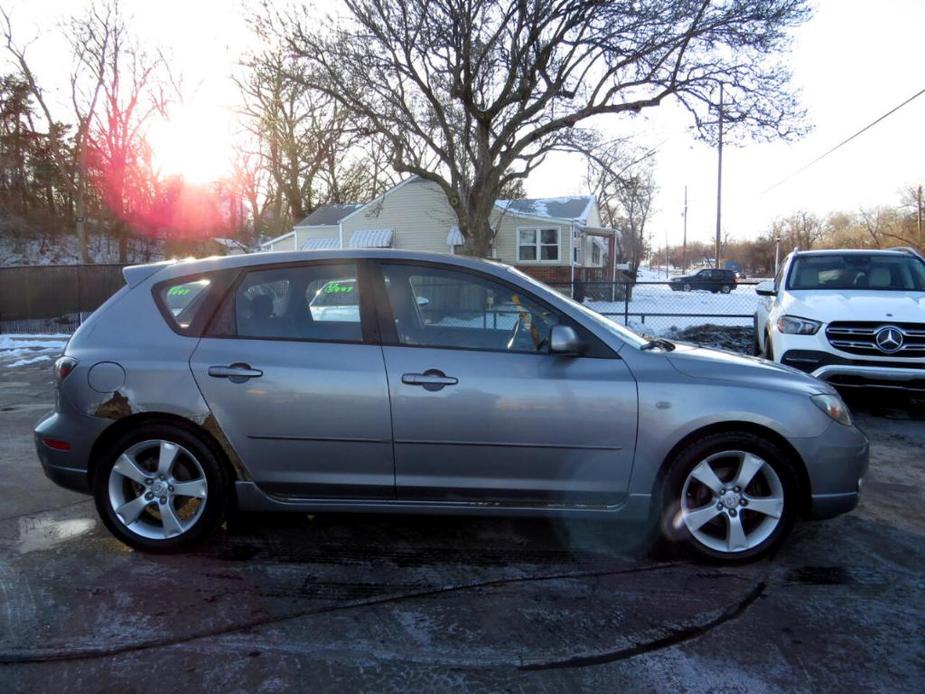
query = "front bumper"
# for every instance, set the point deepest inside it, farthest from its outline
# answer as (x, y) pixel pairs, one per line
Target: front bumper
(68, 468)
(835, 462)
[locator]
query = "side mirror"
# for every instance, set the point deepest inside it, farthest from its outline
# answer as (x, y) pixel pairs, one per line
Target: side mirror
(765, 288)
(564, 340)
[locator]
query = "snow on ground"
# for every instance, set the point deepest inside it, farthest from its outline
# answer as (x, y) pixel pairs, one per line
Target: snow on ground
(21, 350)
(687, 309)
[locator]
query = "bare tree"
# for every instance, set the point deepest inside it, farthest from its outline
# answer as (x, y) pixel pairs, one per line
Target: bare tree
(801, 229)
(472, 94)
(305, 142)
(56, 131)
(621, 178)
(116, 87)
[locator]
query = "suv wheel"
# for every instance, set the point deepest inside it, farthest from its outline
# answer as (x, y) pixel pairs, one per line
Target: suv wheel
(730, 497)
(161, 489)
(687, 286)
(725, 289)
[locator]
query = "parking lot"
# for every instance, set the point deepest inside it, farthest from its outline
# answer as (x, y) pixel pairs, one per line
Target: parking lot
(388, 603)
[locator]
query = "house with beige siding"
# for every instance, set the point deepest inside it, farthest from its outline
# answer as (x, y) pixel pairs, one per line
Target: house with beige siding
(553, 239)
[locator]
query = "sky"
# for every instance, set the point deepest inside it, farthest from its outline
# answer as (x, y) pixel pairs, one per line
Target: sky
(852, 62)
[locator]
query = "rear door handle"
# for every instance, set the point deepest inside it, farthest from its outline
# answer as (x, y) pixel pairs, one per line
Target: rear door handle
(432, 379)
(236, 373)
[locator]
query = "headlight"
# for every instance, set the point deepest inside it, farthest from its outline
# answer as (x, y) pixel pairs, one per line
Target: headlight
(794, 325)
(833, 406)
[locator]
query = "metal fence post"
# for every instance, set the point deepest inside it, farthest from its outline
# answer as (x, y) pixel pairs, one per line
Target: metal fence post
(626, 305)
(79, 303)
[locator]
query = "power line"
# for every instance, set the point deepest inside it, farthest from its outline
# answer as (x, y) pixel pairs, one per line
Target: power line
(844, 142)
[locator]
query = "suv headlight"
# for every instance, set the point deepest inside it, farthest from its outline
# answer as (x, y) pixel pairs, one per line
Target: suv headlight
(794, 325)
(833, 406)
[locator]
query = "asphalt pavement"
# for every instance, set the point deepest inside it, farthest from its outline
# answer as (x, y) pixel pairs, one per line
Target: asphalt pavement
(363, 603)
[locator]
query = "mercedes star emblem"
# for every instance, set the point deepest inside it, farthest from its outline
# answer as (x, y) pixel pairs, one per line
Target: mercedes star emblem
(889, 339)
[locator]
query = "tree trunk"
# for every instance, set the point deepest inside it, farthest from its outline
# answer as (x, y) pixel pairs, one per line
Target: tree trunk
(474, 213)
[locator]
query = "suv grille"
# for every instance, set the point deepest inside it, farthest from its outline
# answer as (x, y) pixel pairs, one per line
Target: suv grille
(875, 339)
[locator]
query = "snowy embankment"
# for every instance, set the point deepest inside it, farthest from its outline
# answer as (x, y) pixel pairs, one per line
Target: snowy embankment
(23, 350)
(62, 249)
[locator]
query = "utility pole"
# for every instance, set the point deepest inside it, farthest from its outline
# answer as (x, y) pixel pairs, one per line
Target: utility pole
(684, 246)
(919, 208)
(666, 253)
(776, 254)
(719, 176)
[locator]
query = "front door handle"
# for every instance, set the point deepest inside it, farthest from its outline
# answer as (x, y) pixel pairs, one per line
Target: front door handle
(236, 373)
(432, 379)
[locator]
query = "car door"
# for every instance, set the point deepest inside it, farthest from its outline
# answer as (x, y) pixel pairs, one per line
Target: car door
(481, 411)
(293, 373)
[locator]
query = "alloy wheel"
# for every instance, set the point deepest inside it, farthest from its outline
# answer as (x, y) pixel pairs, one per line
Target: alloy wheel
(732, 501)
(157, 489)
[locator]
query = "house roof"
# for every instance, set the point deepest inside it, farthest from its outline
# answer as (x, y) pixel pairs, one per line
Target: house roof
(320, 244)
(574, 208)
(329, 214)
(371, 238)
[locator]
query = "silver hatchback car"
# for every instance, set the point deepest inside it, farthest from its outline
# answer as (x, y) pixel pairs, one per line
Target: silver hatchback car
(389, 381)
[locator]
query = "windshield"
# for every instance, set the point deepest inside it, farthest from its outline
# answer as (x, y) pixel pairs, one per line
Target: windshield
(858, 271)
(610, 326)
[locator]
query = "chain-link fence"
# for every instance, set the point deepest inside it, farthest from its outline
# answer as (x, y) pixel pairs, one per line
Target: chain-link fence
(53, 299)
(720, 315)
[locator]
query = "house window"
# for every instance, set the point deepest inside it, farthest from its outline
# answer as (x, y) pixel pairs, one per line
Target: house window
(538, 244)
(595, 254)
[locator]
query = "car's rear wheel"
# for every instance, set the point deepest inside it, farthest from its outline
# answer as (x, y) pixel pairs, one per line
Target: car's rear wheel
(730, 497)
(687, 286)
(161, 489)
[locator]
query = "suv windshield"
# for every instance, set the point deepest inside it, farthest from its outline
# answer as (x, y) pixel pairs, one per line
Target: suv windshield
(858, 271)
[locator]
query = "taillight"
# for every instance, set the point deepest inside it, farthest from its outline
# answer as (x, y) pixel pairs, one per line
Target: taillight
(63, 367)
(57, 444)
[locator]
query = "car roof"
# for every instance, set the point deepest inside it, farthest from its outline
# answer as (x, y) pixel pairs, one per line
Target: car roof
(855, 251)
(193, 266)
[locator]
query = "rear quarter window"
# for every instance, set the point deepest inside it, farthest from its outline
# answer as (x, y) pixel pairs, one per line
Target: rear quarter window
(186, 303)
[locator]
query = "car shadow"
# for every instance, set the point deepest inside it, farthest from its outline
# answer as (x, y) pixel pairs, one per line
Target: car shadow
(415, 540)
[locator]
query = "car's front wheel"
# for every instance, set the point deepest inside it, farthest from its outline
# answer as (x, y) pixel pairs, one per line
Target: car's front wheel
(161, 488)
(687, 286)
(730, 497)
(725, 289)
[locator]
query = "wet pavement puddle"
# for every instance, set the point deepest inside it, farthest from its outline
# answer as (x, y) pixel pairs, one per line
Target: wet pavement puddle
(38, 533)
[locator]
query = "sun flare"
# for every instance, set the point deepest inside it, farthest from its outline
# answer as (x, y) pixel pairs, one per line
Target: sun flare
(194, 143)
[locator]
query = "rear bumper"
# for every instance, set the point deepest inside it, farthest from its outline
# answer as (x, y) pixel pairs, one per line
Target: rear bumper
(68, 469)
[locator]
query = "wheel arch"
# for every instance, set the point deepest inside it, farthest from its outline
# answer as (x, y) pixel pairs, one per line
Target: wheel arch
(804, 493)
(125, 424)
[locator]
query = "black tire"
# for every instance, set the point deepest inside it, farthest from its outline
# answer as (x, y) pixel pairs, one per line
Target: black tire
(673, 528)
(768, 347)
(687, 287)
(217, 476)
(725, 289)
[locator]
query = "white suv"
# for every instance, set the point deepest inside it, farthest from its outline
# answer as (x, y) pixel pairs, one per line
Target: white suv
(854, 318)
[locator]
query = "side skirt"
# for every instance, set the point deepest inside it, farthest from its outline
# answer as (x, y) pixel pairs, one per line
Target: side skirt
(635, 507)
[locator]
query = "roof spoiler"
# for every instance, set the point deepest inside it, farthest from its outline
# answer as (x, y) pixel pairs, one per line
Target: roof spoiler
(907, 249)
(136, 274)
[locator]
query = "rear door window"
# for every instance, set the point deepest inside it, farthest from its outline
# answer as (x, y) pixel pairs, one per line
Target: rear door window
(306, 302)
